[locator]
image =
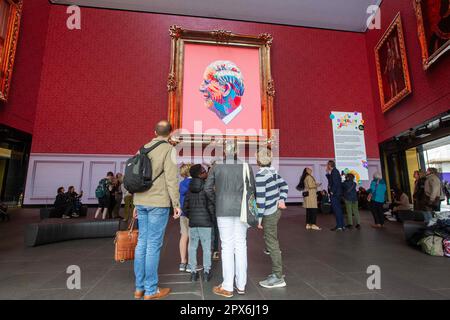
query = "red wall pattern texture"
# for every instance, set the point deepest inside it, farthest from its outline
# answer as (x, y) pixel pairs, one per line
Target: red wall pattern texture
(104, 87)
(19, 111)
(101, 89)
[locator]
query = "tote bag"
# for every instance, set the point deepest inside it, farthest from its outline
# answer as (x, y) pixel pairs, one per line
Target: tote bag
(249, 210)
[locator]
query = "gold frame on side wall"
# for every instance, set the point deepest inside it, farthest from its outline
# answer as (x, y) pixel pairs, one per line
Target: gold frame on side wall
(182, 36)
(9, 50)
(427, 59)
(395, 25)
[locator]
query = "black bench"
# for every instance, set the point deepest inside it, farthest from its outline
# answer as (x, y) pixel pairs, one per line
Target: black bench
(56, 230)
(47, 213)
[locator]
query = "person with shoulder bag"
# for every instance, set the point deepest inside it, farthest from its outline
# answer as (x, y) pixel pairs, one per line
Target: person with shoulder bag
(153, 197)
(225, 187)
(309, 187)
(351, 201)
(271, 194)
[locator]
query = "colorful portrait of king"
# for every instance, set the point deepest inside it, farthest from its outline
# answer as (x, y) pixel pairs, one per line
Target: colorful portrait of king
(223, 89)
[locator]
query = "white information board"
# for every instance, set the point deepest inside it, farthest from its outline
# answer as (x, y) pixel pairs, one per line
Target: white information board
(350, 144)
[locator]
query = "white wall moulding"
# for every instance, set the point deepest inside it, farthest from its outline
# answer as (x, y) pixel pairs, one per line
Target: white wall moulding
(47, 172)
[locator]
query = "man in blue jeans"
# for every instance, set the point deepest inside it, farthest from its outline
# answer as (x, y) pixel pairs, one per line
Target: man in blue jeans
(335, 189)
(152, 211)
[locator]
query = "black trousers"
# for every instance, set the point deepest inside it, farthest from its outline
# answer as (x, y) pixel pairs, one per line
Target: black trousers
(67, 210)
(377, 212)
(311, 215)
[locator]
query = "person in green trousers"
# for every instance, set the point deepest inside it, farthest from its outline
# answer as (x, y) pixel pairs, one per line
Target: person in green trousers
(351, 201)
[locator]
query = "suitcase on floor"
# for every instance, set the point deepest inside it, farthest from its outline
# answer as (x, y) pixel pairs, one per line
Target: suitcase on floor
(125, 243)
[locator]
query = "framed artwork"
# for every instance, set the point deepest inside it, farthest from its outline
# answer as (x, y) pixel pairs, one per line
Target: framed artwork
(220, 84)
(433, 26)
(10, 13)
(394, 83)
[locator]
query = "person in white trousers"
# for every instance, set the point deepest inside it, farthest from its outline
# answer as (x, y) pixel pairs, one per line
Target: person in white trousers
(225, 186)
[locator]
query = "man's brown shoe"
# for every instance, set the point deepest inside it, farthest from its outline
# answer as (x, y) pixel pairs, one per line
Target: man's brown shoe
(138, 294)
(162, 293)
(222, 292)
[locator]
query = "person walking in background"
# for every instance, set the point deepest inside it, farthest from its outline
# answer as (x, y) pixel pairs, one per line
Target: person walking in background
(351, 201)
(377, 198)
(118, 195)
(200, 211)
(152, 210)
(447, 191)
(419, 200)
(271, 195)
(309, 186)
(433, 190)
(128, 207)
(335, 190)
(184, 221)
(224, 187)
(103, 194)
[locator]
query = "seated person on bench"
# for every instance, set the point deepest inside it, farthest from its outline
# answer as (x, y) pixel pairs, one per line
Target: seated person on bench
(74, 199)
(63, 207)
(400, 202)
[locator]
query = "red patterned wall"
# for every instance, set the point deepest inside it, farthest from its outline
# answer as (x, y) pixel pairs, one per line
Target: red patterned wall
(19, 111)
(104, 87)
(430, 90)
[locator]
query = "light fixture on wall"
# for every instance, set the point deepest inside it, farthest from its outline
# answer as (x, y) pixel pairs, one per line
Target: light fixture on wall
(422, 132)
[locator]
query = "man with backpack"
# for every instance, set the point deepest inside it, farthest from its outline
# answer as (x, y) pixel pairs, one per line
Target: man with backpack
(102, 193)
(154, 193)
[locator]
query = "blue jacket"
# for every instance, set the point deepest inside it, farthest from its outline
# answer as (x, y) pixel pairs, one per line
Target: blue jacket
(350, 190)
(335, 183)
(378, 190)
(184, 188)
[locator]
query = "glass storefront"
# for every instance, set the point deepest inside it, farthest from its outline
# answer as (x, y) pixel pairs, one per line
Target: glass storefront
(14, 155)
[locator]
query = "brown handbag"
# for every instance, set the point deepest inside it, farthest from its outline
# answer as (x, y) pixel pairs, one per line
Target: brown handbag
(126, 242)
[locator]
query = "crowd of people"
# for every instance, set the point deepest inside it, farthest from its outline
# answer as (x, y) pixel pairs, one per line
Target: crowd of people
(429, 190)
(210, 201)
(110, 193)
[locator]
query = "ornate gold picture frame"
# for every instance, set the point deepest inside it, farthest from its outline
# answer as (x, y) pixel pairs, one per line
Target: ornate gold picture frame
(219, 40)
(433, 17)
(394, 82)
(10, 14)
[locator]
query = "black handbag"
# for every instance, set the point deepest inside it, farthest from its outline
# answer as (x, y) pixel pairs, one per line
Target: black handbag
(305, 194)
(251, 214)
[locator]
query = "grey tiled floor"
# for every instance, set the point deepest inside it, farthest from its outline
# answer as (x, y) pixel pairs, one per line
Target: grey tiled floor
(317, 265)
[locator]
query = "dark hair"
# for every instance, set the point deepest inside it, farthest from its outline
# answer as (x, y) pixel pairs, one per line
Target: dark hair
(398, 192)
(350, 176)
(196, 170)
(110, 174)
(301, 184)
(60, 189)
(332, 163)
(163, 128)
(69, 188)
